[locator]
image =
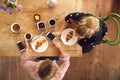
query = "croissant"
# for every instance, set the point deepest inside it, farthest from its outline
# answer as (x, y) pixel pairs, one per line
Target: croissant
(40, 43)
(69, 36)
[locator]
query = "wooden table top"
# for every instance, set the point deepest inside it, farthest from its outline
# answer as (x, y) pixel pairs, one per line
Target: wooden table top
(8, 39)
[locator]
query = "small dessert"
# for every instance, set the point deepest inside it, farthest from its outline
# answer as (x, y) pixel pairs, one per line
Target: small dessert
(69, 36)
(71, 33)
(43, 40)
(40, 43)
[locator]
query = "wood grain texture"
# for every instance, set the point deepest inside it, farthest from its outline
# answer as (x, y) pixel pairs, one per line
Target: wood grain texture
(102, 63)
(8, 39)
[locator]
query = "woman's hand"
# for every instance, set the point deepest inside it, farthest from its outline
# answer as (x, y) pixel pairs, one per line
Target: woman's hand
(57, 44)
(26, 44)
(59, 31)
(73, 23)
(56, 33)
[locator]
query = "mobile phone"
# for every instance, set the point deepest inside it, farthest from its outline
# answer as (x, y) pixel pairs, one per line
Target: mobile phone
(50, 36)
(20, 46)
(40, 25)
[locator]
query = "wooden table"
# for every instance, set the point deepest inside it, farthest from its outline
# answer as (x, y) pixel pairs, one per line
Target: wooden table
(8, 39)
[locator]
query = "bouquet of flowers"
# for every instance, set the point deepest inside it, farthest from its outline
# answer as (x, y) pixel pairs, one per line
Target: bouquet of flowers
(10, 5)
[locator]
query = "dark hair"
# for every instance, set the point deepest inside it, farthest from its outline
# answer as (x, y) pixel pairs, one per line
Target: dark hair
(45, 68)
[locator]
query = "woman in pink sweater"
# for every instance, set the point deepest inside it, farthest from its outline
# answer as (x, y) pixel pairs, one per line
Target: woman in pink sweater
(46, 69)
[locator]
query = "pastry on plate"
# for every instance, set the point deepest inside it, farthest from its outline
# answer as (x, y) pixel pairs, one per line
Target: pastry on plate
(69, 36)
(39, 43)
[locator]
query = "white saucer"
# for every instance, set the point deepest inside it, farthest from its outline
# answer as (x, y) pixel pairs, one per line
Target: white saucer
(43, 47)
(72, 41)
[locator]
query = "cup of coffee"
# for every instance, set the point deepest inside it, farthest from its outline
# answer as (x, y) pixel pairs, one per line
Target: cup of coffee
(15, 28)
(41, 25)
(52, 22)
(28, 36)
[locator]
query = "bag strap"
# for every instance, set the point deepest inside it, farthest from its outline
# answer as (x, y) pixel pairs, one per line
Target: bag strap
(114, 17)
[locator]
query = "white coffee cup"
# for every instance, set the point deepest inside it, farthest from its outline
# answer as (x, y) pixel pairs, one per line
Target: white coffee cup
(28, 36)
(15, 28)
(52, 22)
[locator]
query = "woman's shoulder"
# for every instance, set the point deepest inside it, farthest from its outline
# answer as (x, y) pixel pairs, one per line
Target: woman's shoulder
(102, 23)
(80, 14)
(103, 27)
(98, 36)
(76, 16)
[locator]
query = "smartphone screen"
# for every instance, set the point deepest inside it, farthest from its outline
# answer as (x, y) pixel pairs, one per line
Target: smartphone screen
(50, 36)
(20, 46)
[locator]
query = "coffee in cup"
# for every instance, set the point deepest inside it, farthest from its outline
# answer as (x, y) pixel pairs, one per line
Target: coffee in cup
(41, 25)
(28, 36)
(15, 28)
(52, 22)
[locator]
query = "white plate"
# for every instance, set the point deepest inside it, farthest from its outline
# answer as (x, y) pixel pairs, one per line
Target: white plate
(72, 41)
(43, 47)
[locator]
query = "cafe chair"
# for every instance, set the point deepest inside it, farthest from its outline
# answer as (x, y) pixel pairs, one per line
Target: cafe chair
(114, 17)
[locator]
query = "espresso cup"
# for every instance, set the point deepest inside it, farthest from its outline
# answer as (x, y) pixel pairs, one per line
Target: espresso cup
(28, 36)
(52, 22)
(15, 28)
(41, 25)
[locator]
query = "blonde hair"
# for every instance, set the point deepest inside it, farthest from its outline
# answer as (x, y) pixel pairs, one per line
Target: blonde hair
(87, 26)
(47, 70)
